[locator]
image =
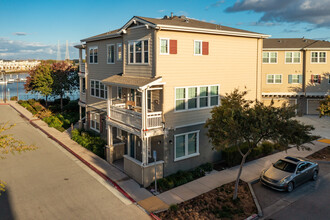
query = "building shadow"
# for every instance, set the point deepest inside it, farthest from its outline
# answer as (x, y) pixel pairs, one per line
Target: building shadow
(6, 212)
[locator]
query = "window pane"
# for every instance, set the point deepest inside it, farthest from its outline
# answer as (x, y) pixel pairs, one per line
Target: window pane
(163, 46)
(288, 57)
(119, 52)
(198, 47)
(138, 52)
(203, 91)
(296, 58)
(95, 55)
(192, 103)
(180, 93)
(180, 146)
(295, 79)
(322, 57)
(273, 57)
(214, 100)
(146, 52)
(270, 78)
(180, 104)
(138, 58)
(119, 92)
(192, 143)
(265, 57)
(278, 79)
(112, 54)
(192, 92)
(214, 90)
(203, 102)
(131, 52)
(91, 56)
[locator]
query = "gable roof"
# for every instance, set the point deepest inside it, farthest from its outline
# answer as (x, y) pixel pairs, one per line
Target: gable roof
(178, 23)
(295, 43)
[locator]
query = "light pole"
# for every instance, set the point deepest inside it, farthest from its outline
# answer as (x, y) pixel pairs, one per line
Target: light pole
(4, 74)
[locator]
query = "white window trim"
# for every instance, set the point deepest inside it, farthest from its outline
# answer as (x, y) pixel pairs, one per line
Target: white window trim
(89, 51)
(142, 52)
(274, 82)
(105, 89)
(269, 57)
(121, 52)
(198, 98)
(168, 46)
(201, 54)
(292, 57)
(114, 52)
(298, 78)
(186, 146)
(90, 122)
(318, 57)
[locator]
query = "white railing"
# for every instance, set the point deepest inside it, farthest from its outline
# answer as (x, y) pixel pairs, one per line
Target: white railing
(126, 116)
(154, 120)
(82, 67)
(129, 117)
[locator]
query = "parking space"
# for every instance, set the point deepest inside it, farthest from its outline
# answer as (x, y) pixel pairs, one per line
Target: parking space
(281, 205)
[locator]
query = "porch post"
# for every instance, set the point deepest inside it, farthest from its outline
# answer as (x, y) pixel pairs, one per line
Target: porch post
(109, 100)
(110, 144)
(86, 118)
(80, 112)
(80, 59)
(144, 129)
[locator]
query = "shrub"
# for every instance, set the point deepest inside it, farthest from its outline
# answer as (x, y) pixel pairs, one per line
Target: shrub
(31, 101)
(13, 98)
(54, 122)
(207, 167)
(45, 113)
(37, 106)
(72, 106)
(173, 208)
(267, 147)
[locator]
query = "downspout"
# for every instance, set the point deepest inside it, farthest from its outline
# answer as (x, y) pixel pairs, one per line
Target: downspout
(304, 72)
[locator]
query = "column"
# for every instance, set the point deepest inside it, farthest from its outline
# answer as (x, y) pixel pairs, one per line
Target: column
(80, 121)
(109, 101)
(80, 59)
(110, 144)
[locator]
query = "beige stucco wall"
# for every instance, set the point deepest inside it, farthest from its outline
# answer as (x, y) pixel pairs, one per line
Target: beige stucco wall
(232, 63)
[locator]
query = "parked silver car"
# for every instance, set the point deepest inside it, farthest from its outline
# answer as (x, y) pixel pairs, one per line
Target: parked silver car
(288, 173)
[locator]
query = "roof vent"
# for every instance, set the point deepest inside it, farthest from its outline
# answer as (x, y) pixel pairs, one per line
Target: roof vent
(279, 41)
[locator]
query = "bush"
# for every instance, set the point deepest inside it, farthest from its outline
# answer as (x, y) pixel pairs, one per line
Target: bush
(13, 98)
(267, 147)
(37, 106)
(173, 208)
(54, 122)
(207, 167)
(72, 106)
(31, 101)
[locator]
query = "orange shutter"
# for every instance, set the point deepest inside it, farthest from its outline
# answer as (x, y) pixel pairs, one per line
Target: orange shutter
(205, 48)
(173, 46)
(312, 79)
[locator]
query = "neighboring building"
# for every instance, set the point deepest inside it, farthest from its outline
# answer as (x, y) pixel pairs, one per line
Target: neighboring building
(20, 65)
(296, 70)
(150, 86)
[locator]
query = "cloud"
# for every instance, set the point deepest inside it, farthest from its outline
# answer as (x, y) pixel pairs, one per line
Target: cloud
(14, 49)
(161, 11)
(259, 23)
(315, 12)
(20, 33)
(215, 5)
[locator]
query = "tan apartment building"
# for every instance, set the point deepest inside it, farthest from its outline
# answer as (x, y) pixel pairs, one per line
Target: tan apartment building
(297, 71)
(150, 86)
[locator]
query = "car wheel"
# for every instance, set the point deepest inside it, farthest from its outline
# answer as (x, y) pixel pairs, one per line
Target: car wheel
(290, 187)
(315, 175)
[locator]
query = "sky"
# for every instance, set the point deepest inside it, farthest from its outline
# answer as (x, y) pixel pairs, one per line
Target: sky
(31, 29)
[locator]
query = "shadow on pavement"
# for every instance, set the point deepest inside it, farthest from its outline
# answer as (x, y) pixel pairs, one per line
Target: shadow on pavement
(6, 212)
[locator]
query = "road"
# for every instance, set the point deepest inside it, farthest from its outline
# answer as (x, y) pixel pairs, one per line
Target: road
(308, 201)
(50, 183)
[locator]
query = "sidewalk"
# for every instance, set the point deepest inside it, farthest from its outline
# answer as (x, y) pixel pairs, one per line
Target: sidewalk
(251, 171)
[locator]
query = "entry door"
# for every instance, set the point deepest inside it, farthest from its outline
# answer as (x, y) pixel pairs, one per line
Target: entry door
(132, 145)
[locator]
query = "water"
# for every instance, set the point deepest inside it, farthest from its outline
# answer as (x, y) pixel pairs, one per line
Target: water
(11, 89)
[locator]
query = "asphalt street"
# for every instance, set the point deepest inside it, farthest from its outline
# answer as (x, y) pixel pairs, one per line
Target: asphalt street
(49, 183)
(308, 201)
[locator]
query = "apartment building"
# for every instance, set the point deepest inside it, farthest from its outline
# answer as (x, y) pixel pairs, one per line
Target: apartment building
(150, 85)
(297, 71)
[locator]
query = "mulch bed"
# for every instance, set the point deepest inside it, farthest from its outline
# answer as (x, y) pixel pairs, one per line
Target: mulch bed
(323, 154)
(215, 204)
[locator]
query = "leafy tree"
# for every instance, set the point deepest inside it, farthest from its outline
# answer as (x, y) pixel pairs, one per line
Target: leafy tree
(8, 144)
(64, 79)
(40, 80)
(239, 121)
(324, 108)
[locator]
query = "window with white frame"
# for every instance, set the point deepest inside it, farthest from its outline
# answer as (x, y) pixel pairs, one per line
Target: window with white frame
(319, 57)
(274, 79)
(98, 89)
(292, 57)
(110, 53)
(93, 55)
(83, 85)
(164, 46)
(269, 57)
(95, 121)
(197, 47)
(295, 79)
(196, 97)
(186, 145)
(138, 51)
(119, 51)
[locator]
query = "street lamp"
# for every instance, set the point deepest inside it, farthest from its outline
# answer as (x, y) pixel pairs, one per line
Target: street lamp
(4, 74)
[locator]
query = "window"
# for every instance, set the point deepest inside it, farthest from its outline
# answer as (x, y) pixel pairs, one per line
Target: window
(164, 46)
(138, 51)
(83, 85)
(274, 79)
(119, 51)
(186, 145)
(269, 57)
(295, 79)
(95, 121)
(196, 97)
(119, 92)
(292, 57)
(98, 89)
(93, 55)
(111, 54)
(318, 57)
(197, 47)
(316, 79)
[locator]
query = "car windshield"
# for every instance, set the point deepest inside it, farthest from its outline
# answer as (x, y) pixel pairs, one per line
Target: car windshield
(285, 166)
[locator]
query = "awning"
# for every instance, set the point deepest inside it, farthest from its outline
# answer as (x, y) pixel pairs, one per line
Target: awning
(132, 82)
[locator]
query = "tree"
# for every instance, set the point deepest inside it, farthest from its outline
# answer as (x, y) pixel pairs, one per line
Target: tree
(237, 121)
(8, 144)
(40, 80)
(324, 108)
(64, 79)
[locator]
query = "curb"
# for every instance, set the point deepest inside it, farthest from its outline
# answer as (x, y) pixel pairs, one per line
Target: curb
(255, 199)
(105, 177)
